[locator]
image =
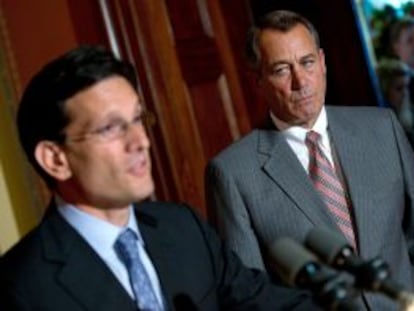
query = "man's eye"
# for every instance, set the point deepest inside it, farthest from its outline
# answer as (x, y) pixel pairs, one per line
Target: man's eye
(109, 128)
(137, 119)
(280, 71)
(308, 63)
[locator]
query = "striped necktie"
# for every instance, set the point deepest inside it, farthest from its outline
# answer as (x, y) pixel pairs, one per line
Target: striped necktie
(329, 186)
(127, 249)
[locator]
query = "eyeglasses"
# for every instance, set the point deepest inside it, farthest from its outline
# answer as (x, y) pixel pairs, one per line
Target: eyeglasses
(116, 128)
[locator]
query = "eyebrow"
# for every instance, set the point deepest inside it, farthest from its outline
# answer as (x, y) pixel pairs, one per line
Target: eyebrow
(310, 55)
(138, 109)
(283, 62)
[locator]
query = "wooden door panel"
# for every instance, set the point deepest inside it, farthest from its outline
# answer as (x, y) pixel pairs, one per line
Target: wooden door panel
(183, 80)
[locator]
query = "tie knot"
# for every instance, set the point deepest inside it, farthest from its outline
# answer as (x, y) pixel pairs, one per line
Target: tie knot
(126, 246)
(127, 237)
(313, 137)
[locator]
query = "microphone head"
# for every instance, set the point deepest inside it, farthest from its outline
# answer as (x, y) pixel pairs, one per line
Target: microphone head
(289, 258)
(327, 244)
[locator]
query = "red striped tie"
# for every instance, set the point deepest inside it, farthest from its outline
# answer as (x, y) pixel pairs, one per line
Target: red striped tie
(329, 186)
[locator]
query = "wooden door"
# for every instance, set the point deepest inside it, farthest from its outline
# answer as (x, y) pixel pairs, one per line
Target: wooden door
(189, 79)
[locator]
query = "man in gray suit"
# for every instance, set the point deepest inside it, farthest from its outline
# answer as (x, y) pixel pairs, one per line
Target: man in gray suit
(264, 187)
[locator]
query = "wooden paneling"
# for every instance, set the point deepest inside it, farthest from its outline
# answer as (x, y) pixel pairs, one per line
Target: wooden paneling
(177, 151)
(201, 67)
(20, 206)
(38, 32)
(234, 18)
(180, 59)
(87, 22)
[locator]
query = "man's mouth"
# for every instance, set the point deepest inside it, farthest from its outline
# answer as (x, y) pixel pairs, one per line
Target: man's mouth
(139, 165)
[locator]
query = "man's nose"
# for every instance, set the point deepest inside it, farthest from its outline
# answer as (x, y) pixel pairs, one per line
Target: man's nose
(298, 78)
(137, 136)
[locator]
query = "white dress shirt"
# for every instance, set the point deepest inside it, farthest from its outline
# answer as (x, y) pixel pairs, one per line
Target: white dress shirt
(295, 137)
(101, 236)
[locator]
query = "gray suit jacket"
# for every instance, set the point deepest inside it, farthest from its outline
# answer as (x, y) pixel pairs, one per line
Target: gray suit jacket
(259, 191)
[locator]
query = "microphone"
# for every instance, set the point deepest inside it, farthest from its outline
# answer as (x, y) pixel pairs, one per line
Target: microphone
(298, 267)
(372, 275)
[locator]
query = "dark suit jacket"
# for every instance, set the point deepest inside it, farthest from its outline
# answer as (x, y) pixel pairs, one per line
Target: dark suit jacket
(53, 268)
(260, 191)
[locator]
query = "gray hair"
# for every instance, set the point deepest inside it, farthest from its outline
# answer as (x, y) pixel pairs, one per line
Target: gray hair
(280, 20)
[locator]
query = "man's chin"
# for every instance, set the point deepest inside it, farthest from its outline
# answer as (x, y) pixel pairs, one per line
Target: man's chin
(144, 192)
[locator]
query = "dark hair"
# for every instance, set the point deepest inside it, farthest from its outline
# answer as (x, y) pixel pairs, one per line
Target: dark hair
(41, 114)
(280, 20)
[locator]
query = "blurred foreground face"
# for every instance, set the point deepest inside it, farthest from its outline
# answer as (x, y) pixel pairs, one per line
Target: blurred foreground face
(404, 46)
(292, 75)
(107, 148)
(399, 90)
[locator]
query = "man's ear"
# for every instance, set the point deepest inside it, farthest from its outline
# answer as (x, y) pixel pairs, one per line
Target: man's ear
(322, 60)
(53, 160)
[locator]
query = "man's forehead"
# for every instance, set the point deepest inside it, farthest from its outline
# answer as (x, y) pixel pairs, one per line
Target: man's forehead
(110, 99)
(278, 40)
(279, 48)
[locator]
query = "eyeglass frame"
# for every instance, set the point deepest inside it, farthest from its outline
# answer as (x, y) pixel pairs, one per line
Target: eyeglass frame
(115, 129)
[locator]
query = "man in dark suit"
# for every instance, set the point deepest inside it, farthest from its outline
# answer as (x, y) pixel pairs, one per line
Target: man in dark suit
(272, 183)
(81, 124)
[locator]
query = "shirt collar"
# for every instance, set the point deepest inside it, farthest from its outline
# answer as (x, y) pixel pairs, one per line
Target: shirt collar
(100, 234)
(298, 133)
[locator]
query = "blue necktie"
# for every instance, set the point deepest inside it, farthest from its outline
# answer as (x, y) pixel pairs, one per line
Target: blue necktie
(126, 246)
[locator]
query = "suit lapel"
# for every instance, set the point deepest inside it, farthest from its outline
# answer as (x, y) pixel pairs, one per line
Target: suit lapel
(82, 274)
(158, 246)
(351, 152)
(282, 166)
